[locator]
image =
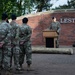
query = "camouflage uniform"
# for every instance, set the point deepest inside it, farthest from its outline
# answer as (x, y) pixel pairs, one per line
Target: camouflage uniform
(5, 36)
(0, 54)
(15, 44)
(1, 57)
(56, 26)
(25, 44)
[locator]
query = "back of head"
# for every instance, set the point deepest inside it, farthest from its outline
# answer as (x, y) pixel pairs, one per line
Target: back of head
(25, 20)
(4, 16)
(53, 17)
(7, 21)
(13, 16)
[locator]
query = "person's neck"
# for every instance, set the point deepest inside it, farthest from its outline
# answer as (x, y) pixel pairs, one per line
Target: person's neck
(54, 21)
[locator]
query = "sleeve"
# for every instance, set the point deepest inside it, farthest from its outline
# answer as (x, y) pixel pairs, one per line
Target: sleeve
(50, 27)
(8, 35)
(58, 28)
(17, 33)
(29, 33)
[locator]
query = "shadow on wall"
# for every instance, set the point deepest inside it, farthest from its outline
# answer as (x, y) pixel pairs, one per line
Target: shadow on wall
(43, 23)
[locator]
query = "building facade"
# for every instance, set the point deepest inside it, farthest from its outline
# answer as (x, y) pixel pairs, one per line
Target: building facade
(41, 20)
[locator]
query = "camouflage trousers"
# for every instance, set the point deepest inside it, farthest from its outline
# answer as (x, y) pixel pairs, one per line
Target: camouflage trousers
(1, 57)
(15, 54)
(25, 49)
(57, 42)
(6, 57)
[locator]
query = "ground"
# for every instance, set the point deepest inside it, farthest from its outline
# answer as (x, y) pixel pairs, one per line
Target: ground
(51, 64)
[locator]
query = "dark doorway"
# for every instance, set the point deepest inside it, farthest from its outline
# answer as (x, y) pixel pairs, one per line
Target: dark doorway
(50, 42)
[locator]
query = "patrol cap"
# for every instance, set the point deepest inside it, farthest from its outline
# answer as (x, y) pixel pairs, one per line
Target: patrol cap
(4, 16)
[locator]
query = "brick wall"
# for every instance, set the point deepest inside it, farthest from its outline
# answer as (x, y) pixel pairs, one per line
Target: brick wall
(42, 20)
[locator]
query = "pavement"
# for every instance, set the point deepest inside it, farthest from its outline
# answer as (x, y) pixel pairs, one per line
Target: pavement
(51, 64)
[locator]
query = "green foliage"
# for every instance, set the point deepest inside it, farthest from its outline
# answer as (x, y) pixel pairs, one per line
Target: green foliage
(70, 5)
(21, 7)
(6, 6)
(42, 5)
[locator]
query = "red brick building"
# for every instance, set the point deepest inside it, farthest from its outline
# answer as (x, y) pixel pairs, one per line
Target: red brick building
(41, 20)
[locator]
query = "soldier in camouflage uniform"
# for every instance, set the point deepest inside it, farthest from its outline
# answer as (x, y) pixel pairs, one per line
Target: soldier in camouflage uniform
(15, 42)
(1, 53)
(25, 43)
(5, 43)
(55, 25)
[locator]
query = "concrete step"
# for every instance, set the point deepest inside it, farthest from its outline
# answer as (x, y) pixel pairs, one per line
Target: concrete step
(52, 50)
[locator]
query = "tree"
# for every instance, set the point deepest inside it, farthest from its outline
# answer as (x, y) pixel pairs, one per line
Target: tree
(70, 5)
(21, 7)
(27, 6)
(6, 6)
(42, 5)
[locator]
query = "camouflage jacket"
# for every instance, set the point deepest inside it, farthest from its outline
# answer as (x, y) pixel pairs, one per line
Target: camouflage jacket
(5, 32)
(25, 33)
(55, 26)
(15, 32)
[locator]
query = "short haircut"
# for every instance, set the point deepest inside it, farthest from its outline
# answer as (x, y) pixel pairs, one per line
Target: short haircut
(4, 16)
(25, 20)
(53, 17)
(7, 21)
(13, 16)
